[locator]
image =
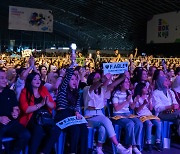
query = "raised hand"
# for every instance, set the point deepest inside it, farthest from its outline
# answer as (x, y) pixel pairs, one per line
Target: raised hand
(31, 61)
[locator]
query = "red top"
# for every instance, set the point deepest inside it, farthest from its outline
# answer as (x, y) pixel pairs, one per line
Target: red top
(25, 117)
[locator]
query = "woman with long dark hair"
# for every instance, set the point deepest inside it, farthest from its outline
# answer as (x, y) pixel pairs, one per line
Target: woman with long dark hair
(156, 75)
(122, 103)
(95, 96)
(143, 101)
(33, 99)
(142, 76)
(68, 104)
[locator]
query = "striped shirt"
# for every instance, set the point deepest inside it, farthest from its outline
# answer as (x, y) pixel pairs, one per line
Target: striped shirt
(118, 98)
(61, 100)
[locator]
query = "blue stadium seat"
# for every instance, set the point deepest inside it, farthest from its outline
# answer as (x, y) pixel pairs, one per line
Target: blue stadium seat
(59, 146)
(166, 131)
(9, 139)
(91, 132)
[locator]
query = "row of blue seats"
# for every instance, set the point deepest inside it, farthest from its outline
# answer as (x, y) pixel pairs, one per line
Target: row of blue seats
(166, 134)
(59, 146)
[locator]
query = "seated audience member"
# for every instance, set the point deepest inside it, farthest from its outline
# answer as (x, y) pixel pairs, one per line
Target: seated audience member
(68, 104)
(23, 73)
(53, 82)
(43, 72)
(156, 75)
(151, 71)
(176, 88)
(82, 73)
(142, 77)
(11, 76)
(177, 71)
(144, 107)
(170, 75)
(9, 112)
(53, 68)
(122, 100)
(35, 98)
(94, 97)
(165, 103)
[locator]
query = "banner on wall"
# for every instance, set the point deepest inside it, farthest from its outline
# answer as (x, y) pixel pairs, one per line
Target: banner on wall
(164, 28)
(30, 19)
(115, 68)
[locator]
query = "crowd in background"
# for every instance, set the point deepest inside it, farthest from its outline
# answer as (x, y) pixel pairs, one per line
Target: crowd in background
(74, 85)
(91, 61)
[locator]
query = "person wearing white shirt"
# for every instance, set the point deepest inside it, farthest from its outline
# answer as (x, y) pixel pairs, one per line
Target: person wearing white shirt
(94, 97)
(122, 100)
(144, 107)
(164, 102)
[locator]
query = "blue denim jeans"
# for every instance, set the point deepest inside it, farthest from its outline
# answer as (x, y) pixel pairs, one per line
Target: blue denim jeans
(16, 130)
(133, 128)
(104, 125)
(102, 135)
(148, 130)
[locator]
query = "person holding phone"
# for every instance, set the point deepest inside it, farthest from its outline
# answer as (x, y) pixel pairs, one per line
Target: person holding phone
(33, 99)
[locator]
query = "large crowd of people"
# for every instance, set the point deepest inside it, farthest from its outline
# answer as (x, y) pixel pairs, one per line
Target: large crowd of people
(73, 85)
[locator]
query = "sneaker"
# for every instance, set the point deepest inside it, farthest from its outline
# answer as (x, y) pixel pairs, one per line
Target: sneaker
(130, 150)
(158, 147)
(122, 150)
(136, 150)
(148, 147)
(99, 150)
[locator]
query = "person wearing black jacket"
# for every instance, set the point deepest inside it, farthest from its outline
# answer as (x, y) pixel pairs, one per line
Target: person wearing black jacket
(9, 112)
